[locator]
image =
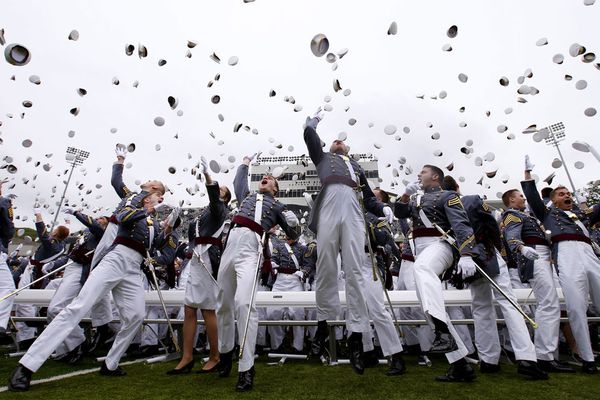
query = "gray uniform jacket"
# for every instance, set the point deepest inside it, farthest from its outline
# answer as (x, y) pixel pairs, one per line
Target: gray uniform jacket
(331, 168)
(522, 229)
(444, 208)
(272, 209)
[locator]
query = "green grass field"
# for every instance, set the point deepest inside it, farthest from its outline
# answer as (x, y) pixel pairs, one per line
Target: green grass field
(298, 380)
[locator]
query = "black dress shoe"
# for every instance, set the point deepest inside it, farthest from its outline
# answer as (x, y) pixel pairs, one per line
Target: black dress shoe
(459, 371)
(370, 359)
(589, 367)
(76, 355)
(186, 369)
(245, 380)
(149, 351)
(532, 370)
(555, 366)
(397, 366)
(215, 368)
(107, 372)
(355, 352)
(20, 379)
(225, 363)
(487, 368)
(103, 335)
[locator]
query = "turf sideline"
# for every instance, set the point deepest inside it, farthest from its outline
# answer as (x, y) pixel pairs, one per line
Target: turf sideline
(72, 374)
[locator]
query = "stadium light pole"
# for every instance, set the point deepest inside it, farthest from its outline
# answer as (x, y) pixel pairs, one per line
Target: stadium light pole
(556, 134)
(74, 157)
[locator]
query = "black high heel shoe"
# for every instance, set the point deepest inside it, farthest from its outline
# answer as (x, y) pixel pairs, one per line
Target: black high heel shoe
(186, 369)
(215, 368)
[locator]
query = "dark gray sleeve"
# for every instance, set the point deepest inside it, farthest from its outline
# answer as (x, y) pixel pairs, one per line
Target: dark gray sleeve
(313, 144)
(240, 183)
(512, 231)
(459, 221)
(403, 210)
(116, 180)
(371, 203)
(534, 200)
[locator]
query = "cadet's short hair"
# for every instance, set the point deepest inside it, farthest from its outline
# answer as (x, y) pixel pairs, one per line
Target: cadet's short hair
(506, 196)
(546, 192)
(384, 195)
(436, 170)
(227, 198)
(60, 232)
(154, 186)
(555, 191)
(449, 183)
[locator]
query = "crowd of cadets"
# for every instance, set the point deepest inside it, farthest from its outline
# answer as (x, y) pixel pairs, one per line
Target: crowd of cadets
(432, 238)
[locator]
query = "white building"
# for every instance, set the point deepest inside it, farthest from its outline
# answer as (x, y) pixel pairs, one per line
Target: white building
(300, 176)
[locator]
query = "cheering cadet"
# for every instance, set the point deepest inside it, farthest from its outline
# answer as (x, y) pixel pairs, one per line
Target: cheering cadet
(258, 213)
(434, 213)
(337, 217)
(578, 266)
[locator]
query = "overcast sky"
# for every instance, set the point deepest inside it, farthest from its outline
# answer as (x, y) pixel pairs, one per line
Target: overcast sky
(271, 38)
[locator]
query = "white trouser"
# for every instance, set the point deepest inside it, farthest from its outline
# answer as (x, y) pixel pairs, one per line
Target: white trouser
(286, 283)
(484, 315)
(102, 311)
(237, 274)
(579, 277)
(423, 334)
(261, 312)
(7, 285)
(201, 289)
(108, 237)
(382, 319)
(341, 228)
(547, 313)
(65, 293)
(25, 332)
(118, 271)
(433, 257)
(457, 312)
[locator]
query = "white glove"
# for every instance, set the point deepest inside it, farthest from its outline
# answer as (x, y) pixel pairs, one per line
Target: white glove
(389, 215)
(319, 114)
(529, 253)
(466, 267)
(528, 164)
(37, 210)
(69, 211)
(249, 159)
(121, 150)
(412, 188)
(580, 197)
(203, 165)
(173, 216)
(290, 218)
(47, 267)
(299, 274)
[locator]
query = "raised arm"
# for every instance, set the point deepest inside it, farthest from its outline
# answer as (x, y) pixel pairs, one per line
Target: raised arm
(240, 182)
(534, 199)
(91, 223)
(312, 139)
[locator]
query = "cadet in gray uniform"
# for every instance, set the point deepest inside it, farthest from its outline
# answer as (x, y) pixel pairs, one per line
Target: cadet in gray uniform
(201, 289)
(529, 247)
(51, 247)
(578, 266)
(74, 276)
(258, 213)
(434, 255)
(337, 218)
(380, 235)
(119, 272)
(489, 245)
(287, 259)
(7, 285)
